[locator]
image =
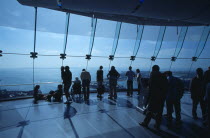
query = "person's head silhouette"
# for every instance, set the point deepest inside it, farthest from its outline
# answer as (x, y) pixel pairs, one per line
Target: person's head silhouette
(155, 68)
(66, 68)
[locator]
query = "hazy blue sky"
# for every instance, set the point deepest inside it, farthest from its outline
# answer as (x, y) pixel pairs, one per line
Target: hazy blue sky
(16, 36)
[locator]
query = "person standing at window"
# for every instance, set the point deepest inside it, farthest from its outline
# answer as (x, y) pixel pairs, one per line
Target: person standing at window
(113, 75)
(99, 78)
(130, 74)
(198, 93)
(67, 80)
(86, 79)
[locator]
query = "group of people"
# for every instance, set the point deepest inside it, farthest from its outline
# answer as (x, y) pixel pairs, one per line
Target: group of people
(112, 76)
(163, 88)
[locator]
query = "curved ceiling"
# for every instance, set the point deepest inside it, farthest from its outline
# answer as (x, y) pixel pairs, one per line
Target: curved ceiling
(147, 12)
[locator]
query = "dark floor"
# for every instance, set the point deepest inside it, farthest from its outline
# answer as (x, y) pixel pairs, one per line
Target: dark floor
(105, 118)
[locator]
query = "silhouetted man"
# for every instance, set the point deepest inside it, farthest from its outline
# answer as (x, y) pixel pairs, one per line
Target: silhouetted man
(207, 95)
(99, 78)
(130, 74)
(198, 93)
(174, 95)
(113, 75)
(157, 95)
(86, 79)
(67, 80)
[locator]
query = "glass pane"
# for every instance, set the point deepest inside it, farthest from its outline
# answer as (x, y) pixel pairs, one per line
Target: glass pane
(127, 40)
(169, 42)
(47, 69)
(79, 35)
(191, 42)
(49, 42)
(148, 42)
(15, 70)
(104, 38)
(164, 64)
(50, 20)
(181, 68)
(14, 40)
(143, 65)
(205, 53)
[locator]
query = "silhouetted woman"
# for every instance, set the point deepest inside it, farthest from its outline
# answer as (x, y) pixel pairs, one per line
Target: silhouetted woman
(113, 75)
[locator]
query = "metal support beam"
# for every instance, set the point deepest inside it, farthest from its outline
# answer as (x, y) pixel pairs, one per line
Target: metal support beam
(159, 42)
(140, 30)
(34, 53)
(116, 38)
(92, 37)
(66, 32)
(180, 43)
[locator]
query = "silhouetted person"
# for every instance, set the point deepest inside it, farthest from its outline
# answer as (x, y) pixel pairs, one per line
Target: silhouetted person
(207, 94)
(55, 94)
(157, 96)
(86, 79)
(77, 86)
(36, 94)
(130, 74)
(174, 95)
(138, 78)
(198, 93)
(113, 75)
(67, 80)
(62, 72)
(99, 78)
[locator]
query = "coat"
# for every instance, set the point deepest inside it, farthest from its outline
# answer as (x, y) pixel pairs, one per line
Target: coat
(197, 88)
(157, 92)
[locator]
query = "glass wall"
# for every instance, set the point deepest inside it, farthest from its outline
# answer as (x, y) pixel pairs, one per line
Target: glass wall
(19, 73)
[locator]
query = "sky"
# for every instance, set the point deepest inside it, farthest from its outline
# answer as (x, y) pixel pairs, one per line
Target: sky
(17, 36)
